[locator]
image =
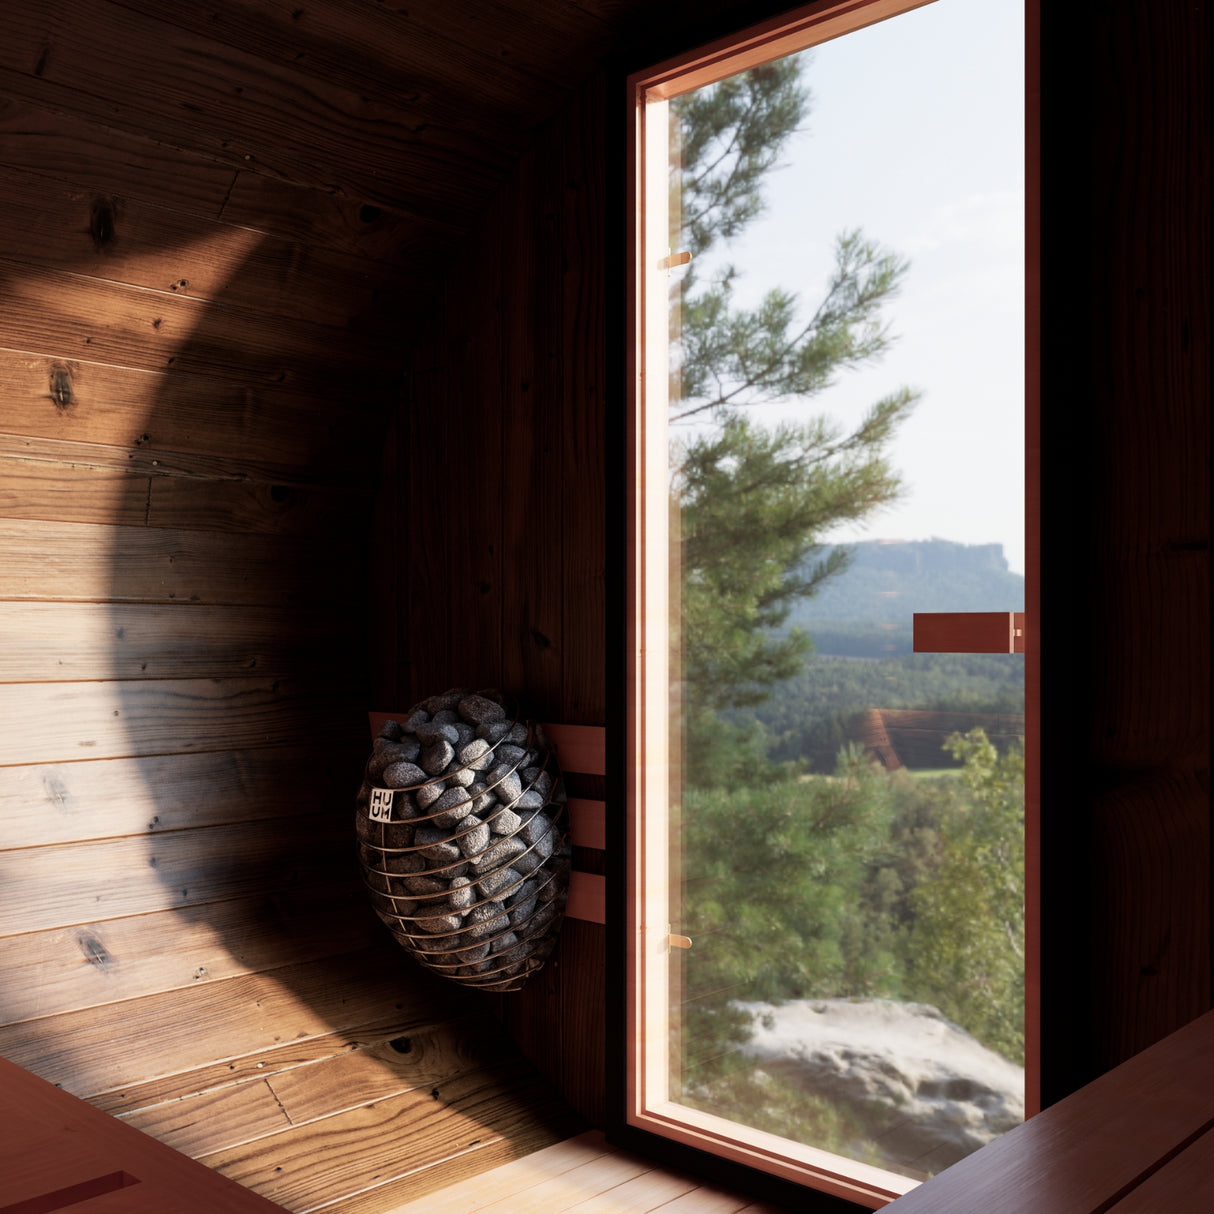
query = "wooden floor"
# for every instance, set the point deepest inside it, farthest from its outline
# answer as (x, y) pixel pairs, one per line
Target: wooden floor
(588, 1175)
(358, 1120)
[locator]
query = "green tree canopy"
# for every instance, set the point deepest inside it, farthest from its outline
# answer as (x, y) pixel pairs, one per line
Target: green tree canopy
(752, 502)
(966, 949)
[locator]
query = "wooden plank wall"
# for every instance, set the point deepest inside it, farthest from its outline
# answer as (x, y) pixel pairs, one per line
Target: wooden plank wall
(508, 380)
(1126, 399)
(204, 303)
(489, 555)
(214, 290)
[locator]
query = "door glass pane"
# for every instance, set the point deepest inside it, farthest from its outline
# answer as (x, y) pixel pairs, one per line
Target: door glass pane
(845, 449)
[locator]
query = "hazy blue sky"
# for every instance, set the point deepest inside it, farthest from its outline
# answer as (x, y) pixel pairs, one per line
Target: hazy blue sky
(916, 135)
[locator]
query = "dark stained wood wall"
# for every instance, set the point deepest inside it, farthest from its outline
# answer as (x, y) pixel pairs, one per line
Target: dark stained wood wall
(491, 533)
(1126, 400)
(498, 567)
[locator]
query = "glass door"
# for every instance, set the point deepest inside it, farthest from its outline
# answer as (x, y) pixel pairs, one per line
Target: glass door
(829, 557)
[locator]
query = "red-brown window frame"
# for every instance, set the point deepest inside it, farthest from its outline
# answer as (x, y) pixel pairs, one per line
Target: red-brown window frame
(646, 760)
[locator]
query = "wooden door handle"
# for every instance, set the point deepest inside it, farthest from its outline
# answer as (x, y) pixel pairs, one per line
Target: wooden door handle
(969, 632)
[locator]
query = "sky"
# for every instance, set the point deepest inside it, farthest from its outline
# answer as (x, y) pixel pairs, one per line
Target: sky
(915, 134)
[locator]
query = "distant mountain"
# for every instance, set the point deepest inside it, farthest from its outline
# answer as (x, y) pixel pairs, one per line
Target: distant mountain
(866, 610)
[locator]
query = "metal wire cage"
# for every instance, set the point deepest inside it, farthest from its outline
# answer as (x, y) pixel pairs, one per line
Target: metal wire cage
(463, 838)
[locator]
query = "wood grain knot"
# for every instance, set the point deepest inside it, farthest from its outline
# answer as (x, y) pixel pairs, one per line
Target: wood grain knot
(61, 386)
(94, 951)
(102, 222)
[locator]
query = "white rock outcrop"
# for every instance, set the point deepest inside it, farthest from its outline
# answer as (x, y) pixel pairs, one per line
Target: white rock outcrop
(931, 1092)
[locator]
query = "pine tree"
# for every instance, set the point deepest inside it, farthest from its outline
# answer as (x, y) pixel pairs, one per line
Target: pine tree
(753, 502)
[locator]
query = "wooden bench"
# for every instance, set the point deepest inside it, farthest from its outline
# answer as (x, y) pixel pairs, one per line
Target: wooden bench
(1138, 1140)
(57, 1152)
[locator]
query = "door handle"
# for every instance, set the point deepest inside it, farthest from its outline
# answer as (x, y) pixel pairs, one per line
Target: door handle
(968, 632)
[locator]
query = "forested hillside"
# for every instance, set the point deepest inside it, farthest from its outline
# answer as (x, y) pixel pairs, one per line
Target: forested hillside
(865, 610)
(860, 626)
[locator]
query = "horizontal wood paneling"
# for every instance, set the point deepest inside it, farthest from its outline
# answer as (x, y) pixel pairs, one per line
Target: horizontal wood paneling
(88, 493)
(157, 79)
(62, 642)
(131, 167)
(90, 965)
(58, 224)
(49, 312)
(75, 561)
(67, 493)
(99, 799)
(232, 430)
(256, 509)
(76, 883)
(506, 57)
(109, 162)
(119, 719)
(418, 245)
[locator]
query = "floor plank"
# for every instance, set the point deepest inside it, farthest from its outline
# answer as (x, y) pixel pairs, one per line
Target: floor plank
(318, 1163)
(93, 1052)
(480, 1160)
(581, 1173)
(595, 1176)
(512, 1181)
(647, 1192)
(423, 1061)
(418, 1006)
(226, 1117)
(211, 1121)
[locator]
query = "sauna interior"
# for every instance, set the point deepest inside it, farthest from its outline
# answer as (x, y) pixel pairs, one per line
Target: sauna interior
(311, 405)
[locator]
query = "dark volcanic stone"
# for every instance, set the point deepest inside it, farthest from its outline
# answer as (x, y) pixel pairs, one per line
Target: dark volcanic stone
(476, 710)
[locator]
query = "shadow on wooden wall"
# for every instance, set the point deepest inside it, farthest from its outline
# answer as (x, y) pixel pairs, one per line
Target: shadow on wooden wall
(203, 366)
